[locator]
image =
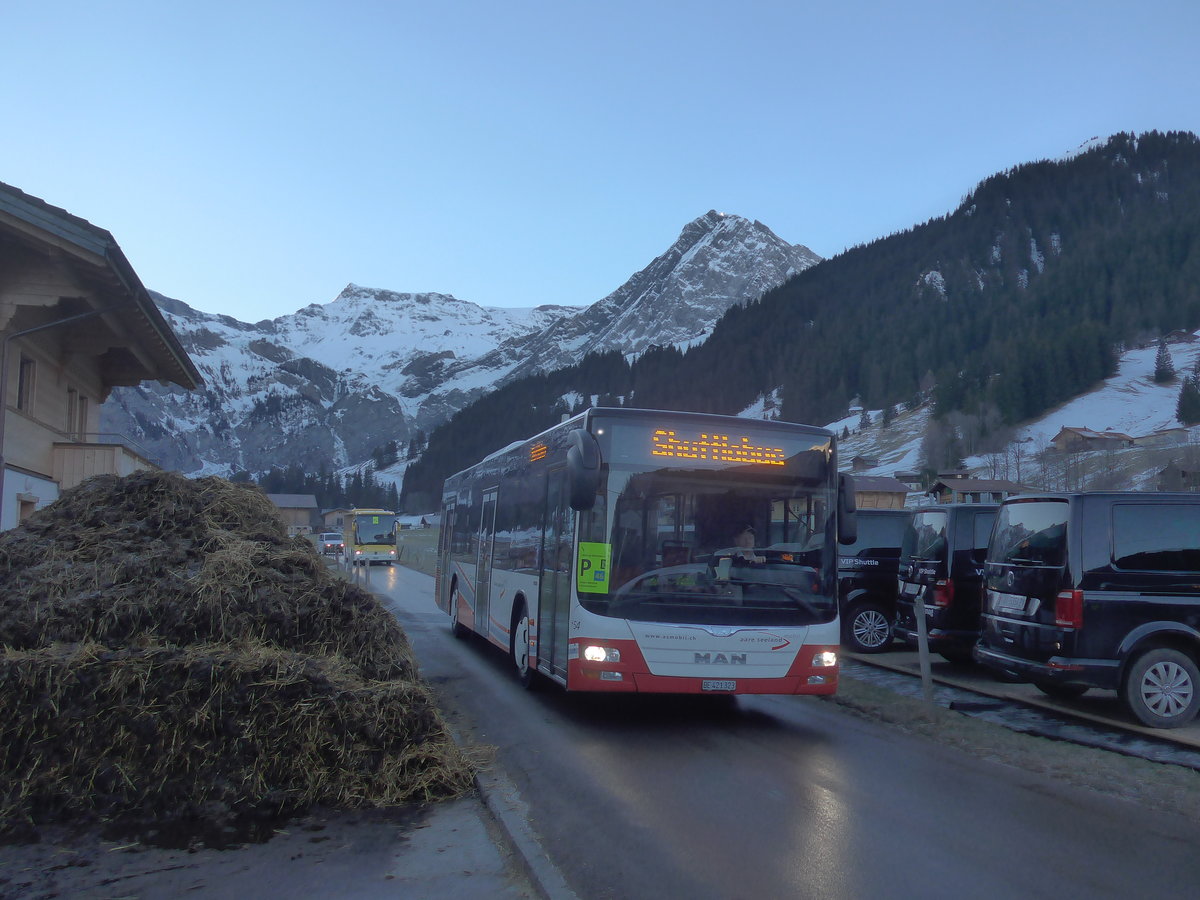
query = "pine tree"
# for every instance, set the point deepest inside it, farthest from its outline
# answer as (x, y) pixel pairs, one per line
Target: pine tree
(1187, 411)
(1164, 368)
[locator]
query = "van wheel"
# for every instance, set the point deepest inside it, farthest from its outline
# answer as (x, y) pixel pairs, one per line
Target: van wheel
(457, 628)
(518, 647)
(867, 629)
(1160, 688)
(1061, 691)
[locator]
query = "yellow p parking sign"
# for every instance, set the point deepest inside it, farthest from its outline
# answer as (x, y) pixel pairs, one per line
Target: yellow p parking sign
(591, 576)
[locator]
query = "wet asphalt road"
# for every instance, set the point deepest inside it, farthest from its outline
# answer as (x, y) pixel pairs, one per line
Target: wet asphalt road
(779, 796)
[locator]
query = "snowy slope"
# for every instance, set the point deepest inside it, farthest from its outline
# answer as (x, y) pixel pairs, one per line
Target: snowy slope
(1129, 402)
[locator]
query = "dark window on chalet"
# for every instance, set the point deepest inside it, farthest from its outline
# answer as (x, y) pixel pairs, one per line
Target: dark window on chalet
(25, 379)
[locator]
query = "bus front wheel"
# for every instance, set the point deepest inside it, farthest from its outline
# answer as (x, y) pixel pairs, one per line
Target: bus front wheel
(519, 649)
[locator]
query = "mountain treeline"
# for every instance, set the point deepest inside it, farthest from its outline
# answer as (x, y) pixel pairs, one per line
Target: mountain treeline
(1020, 299)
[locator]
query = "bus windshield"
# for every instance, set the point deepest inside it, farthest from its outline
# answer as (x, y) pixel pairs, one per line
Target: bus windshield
(374, 528)
(715, 542)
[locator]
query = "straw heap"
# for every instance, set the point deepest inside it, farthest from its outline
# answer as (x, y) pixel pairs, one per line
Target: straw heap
(175, 666)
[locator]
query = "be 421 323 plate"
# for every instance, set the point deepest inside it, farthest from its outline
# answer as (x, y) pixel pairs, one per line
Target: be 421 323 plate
(710, 684)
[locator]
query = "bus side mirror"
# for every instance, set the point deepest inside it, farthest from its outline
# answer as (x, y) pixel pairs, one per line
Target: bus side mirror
(583, 470)
(847, 509)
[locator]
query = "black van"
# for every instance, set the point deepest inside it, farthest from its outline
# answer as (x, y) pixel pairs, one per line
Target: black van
(1099, 590)
(867, 580)
(942, 559)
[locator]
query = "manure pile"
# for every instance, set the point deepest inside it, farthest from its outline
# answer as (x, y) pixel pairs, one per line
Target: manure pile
(173, 665)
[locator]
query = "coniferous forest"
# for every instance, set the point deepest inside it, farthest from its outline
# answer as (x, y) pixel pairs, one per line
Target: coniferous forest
(1018, 300)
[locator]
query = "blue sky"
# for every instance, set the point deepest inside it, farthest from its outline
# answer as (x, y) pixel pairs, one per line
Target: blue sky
(254, 157)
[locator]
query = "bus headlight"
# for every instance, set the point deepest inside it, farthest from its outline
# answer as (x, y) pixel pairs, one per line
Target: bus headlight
(824, 658)
(601, 654)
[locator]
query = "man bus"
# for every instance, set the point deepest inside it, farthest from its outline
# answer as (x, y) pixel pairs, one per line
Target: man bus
(369, 535)
(601, 554)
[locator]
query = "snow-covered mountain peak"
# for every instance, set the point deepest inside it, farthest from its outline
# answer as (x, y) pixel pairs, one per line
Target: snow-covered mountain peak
(324, 385)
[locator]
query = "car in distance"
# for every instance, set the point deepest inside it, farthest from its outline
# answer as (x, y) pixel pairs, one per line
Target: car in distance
(867, 571)
(941, 559)
(330, 543)
(1099, 590)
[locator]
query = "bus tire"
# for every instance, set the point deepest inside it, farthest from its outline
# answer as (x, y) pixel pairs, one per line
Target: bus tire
(457, 628)
(518, 647)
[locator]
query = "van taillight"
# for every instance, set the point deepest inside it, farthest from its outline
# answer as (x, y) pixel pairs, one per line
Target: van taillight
(943, 592)
(1068, 609)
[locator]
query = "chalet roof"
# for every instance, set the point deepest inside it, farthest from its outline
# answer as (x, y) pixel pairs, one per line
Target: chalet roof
(128, 332)
(881, 483)
(293, 501)
(1097, 435)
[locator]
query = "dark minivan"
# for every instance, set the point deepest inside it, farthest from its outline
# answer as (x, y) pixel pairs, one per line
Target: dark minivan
(1099, 590)
(942, 559)
(867, 580)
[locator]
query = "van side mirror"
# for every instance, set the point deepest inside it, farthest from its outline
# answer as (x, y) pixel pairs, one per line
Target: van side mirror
(583, 470)
(847, 510)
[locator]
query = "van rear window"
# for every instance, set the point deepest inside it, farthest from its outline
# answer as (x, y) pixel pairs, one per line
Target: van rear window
(925, 536)
(1157, 538)
(1031, 532)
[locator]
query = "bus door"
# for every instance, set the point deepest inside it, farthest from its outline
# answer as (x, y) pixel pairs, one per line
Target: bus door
(558, 567)
(483, 567)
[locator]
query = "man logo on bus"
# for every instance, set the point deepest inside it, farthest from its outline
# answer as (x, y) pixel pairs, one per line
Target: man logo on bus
(733, 659)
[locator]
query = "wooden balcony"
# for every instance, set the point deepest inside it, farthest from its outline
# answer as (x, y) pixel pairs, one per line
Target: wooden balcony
(97, 454)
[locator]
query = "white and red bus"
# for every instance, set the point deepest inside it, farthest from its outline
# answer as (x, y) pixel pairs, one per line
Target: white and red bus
(601, 554)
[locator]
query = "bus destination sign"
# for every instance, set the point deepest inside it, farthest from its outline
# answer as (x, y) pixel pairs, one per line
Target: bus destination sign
(715, 447)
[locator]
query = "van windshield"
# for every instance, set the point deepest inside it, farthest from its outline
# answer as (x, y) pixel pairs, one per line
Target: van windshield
(878, 535)
(1031, 532)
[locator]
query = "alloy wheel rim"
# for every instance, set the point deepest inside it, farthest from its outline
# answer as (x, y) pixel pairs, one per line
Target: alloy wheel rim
(1167, 689)
(870, 628)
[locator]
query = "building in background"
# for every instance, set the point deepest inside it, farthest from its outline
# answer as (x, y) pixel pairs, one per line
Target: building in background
(299, 512)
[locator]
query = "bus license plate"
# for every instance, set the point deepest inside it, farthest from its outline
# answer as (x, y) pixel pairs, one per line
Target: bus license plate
(709, 684)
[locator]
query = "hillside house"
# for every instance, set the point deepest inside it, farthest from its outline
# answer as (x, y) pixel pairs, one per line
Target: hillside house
(1164, 437)
(1077, 439)
(974, 490)
(863, 463)
(75, 322)
(334, 519)
(1179, 477)
(879, 492)
(911, 480)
